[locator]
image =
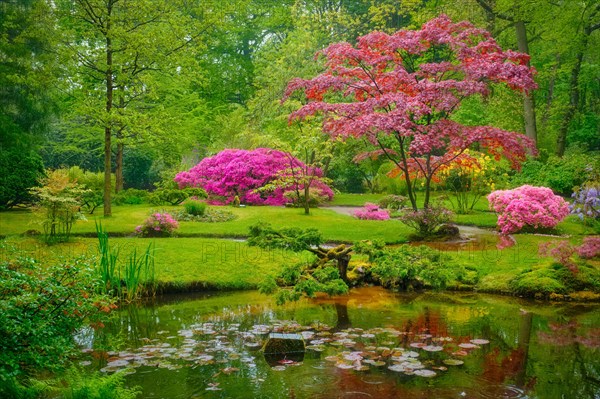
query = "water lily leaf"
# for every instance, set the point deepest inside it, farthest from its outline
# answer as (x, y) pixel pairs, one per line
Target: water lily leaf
(432, 348)
(479, 341)
(425, 373)
(468, 345)
(453, 362)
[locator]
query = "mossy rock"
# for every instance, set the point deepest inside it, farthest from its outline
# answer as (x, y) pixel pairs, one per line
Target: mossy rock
(280, 347)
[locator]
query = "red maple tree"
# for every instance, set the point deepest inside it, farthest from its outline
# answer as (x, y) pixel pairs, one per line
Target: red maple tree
(399, 92)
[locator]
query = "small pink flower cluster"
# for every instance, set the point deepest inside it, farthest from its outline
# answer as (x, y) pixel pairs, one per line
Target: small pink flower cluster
(157, 225)
(527, 206)
(371, 211)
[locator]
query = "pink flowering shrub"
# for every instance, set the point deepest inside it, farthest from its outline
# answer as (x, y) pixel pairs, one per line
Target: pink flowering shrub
(234, 172)
(561, 251)
(157, 225)
(590, 248)
(527, 206)
(371, 211)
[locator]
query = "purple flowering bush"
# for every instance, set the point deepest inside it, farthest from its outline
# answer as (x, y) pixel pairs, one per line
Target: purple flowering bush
(371, 211)
(586, 202)
(157, 225)
(527, 207)
(241, 173)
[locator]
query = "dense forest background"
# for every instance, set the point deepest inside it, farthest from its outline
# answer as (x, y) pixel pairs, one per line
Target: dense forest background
(161, 84)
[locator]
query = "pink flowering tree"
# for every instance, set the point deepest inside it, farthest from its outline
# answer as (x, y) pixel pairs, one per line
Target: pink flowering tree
(527, 207)
(241, 173)
(400, 91)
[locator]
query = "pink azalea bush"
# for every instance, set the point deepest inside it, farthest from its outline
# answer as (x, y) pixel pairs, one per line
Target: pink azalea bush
(234, 172)
(590, 248)
(157, 225)
(527, 206)
(371, 211)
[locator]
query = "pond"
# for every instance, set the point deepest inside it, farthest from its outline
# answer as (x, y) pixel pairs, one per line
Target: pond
(369, 344)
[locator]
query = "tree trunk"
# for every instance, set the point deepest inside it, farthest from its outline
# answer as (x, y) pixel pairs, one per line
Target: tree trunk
(550, 94)
(119, 167)
(307, 198)
(343, 320)
(107, 128)
(528, 99)
(561, 141)
(120, 145)
(342, 263)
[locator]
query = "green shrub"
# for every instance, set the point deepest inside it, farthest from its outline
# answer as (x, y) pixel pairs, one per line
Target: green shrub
(315, 198)
(18, 173)
(393, 202)
(194, 207)
(41, 308)
(390, 185)
(408, 267)
(58, 204)
(559, 174)
(130, 196)
(175, 196)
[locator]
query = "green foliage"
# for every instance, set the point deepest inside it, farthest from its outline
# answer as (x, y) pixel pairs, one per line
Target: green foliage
(19, 172)
(195, 207)
(59, 202)
(297, 200)
(390, 185)
(211, 215)
(393, 202)
(93, 183)
(138, 170)
(426, 222)
(559, 174)
(74, 384)
(407, 268)
(301, 279)
(97, 386)
(544, 280)
(293, 239)
(131, 196)
(174, 196)
(42, 307)
(132, 280)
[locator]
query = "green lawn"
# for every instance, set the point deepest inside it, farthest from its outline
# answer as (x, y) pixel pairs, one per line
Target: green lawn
(202, 255)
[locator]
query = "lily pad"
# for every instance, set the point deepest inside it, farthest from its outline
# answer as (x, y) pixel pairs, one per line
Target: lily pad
(453, 362)
(425, 373)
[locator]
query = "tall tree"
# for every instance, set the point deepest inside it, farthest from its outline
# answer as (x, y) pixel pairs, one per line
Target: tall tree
(399, 91)
(516, 14)
(118, 47)
(28, 72)
(587, 23)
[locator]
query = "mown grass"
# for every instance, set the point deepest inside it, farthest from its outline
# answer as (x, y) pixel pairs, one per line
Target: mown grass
(198, 256)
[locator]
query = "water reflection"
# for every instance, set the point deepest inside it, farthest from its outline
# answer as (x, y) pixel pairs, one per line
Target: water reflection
(535, 350)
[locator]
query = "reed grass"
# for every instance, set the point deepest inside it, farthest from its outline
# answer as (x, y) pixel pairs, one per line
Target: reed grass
(128, 281)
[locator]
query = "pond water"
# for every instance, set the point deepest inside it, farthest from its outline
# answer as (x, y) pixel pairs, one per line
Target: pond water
(369, 344)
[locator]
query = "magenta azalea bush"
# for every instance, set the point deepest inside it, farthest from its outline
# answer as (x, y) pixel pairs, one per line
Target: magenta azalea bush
(157, 225)
(527, 207)
(234, 172)
(371, 211)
